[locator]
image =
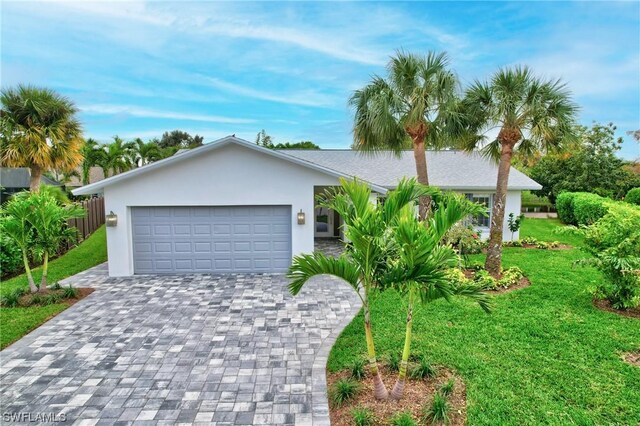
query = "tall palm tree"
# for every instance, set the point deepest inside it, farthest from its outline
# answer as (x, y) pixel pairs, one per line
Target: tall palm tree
(146, 152)
(39, 131)
(415, 106)
(363, 262)
(418, 265)
(94, 155)
(530, 115)
(116, 157)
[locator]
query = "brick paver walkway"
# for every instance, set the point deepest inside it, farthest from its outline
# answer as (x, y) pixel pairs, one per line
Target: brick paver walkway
(234, 349)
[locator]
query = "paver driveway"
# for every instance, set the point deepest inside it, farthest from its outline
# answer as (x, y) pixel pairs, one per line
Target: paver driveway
(234, 349)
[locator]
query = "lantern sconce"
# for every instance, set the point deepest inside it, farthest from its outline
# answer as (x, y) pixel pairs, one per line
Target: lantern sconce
(111, 219)
(301, 217)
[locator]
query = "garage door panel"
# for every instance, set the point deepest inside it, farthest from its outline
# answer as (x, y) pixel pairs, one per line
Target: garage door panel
(211, 239)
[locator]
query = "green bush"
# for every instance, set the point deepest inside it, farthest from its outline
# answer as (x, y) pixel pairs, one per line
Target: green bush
(447, 388)
(342, 391)
(633, 196)
(363, 416)
(614, 243)
(10, 255)
(438, 411)
(424, 369)
(358, 369)
(588, 208)
(12, 299)
(402, 419)
(564, 207)
(464, 239)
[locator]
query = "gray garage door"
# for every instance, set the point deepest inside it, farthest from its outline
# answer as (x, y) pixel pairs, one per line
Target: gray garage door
(211, 239)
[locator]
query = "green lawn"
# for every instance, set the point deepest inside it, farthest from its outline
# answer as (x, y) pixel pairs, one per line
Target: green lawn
(16, 322)
(544, 356)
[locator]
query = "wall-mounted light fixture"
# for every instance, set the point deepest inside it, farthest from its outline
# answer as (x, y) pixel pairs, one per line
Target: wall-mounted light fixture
(300, 217)
(111, 219)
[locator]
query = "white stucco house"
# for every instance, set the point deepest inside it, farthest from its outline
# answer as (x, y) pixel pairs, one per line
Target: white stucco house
(233, 206)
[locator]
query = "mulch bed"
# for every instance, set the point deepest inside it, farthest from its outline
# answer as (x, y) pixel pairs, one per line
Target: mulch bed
(605, 305)
(25, 301)
(632, 358)
(417, 395)
(524, 282)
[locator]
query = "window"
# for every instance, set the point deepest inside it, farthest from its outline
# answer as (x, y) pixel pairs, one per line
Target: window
(486, 200)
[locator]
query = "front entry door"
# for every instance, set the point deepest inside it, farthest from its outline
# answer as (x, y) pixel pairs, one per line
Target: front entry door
(323, 221)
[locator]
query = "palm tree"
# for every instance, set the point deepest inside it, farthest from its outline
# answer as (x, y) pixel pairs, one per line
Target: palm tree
(530, 115)
(419, 263)
(146, 152)
(414, 106)
(39, 131)
(94, 155)
(116, 158)
(363, 262)
(15, 225)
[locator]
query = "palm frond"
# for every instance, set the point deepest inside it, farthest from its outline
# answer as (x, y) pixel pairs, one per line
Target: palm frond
(306, 266)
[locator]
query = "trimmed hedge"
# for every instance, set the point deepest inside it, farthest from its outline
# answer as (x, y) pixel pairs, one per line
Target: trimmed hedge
(581, 208)
(633, 196)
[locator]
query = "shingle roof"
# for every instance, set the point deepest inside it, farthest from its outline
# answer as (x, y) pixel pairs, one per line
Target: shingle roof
(446, 169)
(20, 177)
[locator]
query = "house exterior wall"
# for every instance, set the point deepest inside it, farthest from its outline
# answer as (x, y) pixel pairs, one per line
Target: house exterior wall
(228, 176)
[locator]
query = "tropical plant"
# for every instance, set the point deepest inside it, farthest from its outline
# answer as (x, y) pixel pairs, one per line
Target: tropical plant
(363, 262)
(39, 131)
(12, 298)
(514, 223)
(145, 153)
(418, 265)
(342, 391)
(16, 225)
(10, 253)
(358, 369)
(402, 419)
(94, 155)
(49, 222)
(447, 388)
(363, 416)
(424, 369)
(438, 411)
(415, 106)
(531, 115)
(117, 157)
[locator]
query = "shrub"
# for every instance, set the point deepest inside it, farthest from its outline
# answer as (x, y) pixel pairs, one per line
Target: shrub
(438, 411)
(70, 292)
(484, 280)
(342, 391)
(402, 419)
(633, 196)
(10, 255)
(564, 207)
(12, 299)
(464, 239)
(424, 369)
(393, 361)
(614, 243)
(510, 276)
(358, 369)
(446, 389)
(588, 208)
(529, 240)
(363, 416)
(52, 299)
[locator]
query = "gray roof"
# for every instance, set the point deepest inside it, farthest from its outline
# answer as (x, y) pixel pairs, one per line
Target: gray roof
(446, 169)
(20, 177)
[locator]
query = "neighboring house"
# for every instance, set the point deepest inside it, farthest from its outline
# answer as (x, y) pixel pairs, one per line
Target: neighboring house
(95, 175)
(16, 179)
(233, 206)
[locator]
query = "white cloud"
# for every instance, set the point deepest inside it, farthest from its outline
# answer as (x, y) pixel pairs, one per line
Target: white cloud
(305, 98)
(134, 111)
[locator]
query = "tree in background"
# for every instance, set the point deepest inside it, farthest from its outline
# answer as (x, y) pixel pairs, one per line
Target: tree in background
(591, 165)
(116, 157)
(145, 153)
(265, 140)
(39, 131)
(415, 106)
(531, 115)
(178, 139)
(94, 155)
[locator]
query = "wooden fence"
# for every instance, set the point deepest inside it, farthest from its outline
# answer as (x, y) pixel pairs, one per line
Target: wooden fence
(92, 220)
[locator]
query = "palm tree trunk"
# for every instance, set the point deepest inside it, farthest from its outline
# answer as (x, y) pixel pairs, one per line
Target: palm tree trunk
(45, 269)
(36, 174)
(423, 178)
(32, 284)
(379, 389)
(398, 388)
(493, 263)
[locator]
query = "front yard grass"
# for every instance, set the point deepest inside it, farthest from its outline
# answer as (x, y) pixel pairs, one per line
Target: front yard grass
(545, 355)
(16, 322)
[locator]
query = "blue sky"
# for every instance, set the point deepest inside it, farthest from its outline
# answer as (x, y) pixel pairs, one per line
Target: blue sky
(141, 68)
